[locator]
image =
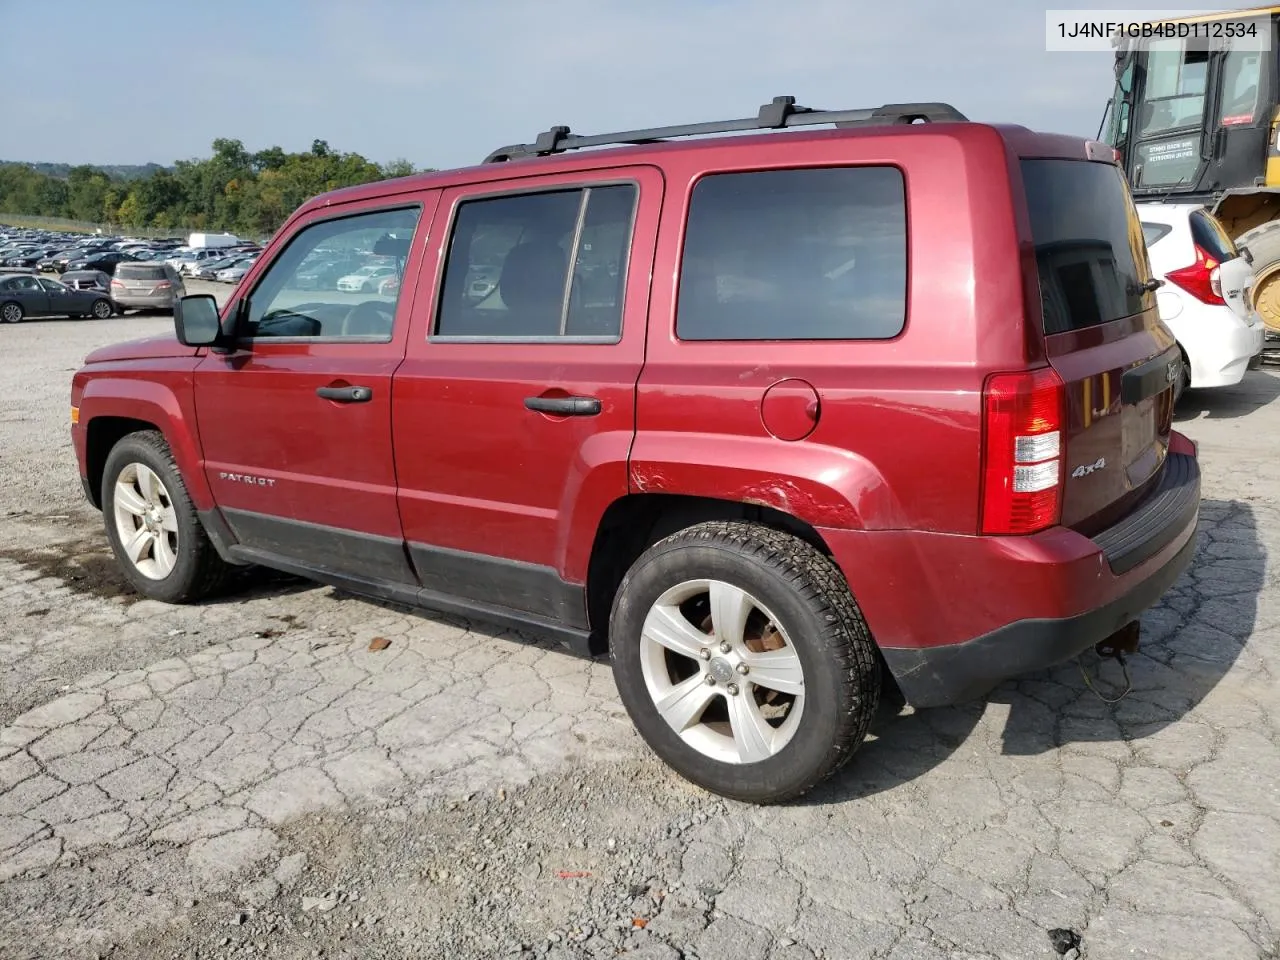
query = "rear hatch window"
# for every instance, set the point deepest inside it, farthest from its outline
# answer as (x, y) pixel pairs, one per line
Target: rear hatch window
(1084, 230)
(141, 271)
(1091, 260)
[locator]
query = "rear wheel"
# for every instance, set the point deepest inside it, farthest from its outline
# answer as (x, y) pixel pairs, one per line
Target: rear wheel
(152, 526)
(743, 660)
(11, 312)
(102, 309)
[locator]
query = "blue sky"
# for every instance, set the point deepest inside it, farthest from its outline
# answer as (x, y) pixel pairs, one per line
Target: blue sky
(441, 84)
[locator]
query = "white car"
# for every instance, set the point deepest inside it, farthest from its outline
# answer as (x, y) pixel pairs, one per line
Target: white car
(366, 279)
(1206, 297)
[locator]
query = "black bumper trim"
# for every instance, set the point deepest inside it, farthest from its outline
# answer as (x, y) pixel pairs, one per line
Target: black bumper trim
(1158, 520)
(956, 673)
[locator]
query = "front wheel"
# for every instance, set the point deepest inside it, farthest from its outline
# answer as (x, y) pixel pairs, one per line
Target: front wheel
(11, 312)
(743, 660)
(152, 526)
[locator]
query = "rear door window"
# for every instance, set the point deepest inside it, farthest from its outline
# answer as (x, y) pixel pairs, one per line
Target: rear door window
(1210, 237)
(1091, 256)
(812, 254)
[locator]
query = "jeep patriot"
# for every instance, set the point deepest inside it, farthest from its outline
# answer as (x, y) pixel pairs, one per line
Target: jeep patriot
(859, 401)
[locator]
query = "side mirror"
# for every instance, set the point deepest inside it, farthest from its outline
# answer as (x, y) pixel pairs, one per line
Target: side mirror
(195, 320)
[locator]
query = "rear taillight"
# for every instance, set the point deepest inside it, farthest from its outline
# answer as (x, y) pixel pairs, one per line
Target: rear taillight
(163, 285)
(1022, 451)
(117, 283)
(1201, 279)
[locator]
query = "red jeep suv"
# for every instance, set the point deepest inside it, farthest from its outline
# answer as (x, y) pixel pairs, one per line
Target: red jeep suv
(776, 420)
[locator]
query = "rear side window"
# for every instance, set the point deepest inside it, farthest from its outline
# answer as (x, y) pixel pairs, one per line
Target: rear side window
(1090, 253)
(1210, 237)
(539, 266)
(140, 271)
(1151, 232)
(814, 254)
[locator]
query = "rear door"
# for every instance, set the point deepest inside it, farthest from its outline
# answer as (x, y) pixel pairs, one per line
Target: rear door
(515, 406)
(1102, 335)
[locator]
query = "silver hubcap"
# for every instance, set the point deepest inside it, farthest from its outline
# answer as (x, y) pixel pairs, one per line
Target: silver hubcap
(101, 310)
(722, 672)
(146, 521)
(11, 313)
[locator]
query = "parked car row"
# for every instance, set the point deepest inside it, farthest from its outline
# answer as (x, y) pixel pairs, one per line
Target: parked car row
(62, 253)
(124, 273)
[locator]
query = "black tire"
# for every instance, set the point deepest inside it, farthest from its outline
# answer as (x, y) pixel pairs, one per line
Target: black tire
(199, 572)
(1184, 377)
(102, 309)
(11, 312)
(811, 601)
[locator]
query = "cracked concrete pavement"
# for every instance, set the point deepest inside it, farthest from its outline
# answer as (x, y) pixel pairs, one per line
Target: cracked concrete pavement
(248, 777)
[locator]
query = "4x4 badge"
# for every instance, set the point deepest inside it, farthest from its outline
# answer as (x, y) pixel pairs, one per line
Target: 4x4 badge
(1173, 371)
(1087, 468)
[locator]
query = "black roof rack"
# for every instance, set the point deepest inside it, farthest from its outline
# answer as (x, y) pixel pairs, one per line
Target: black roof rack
(780, 113)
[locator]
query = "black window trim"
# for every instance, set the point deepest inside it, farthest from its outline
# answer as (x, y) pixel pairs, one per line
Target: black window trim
(789, 167)
(583, 186)
(237, 318)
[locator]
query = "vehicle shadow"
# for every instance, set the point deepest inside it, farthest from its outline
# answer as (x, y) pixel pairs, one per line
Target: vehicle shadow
(1257, 389)
(1190, 640)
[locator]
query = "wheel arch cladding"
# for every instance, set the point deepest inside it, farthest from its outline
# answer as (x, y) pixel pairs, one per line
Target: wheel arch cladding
(148, 405)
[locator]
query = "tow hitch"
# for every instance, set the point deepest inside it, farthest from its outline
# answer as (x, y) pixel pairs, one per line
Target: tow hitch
(1115, 647)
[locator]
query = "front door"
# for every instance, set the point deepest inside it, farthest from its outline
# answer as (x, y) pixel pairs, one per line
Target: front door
(515, 407)
(62, 299)
(295, 421)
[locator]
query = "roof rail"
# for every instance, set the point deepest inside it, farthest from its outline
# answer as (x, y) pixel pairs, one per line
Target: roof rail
(778, 114)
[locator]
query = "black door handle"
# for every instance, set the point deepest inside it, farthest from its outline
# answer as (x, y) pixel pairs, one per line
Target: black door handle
(564, 406)
(346, 394)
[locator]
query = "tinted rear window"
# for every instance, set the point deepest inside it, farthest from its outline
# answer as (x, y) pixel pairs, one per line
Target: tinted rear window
(1209, 235)
(1151, 232)
(1090, 251)
(141, 271)
(815, 254)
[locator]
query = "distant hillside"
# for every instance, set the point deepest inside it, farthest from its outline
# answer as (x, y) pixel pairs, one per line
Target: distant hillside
(118, 171)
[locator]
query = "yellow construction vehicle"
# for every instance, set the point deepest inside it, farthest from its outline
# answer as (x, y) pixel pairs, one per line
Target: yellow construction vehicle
(1195, 117)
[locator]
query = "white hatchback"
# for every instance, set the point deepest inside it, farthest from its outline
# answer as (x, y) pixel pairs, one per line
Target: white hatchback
(1206, 297)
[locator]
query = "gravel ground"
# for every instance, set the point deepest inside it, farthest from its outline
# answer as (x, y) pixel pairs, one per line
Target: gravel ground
(251, 778)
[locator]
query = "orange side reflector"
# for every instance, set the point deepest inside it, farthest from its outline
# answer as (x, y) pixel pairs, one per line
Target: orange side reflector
(75, 414)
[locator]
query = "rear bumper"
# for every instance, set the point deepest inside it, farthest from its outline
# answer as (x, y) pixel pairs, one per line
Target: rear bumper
(1220, 357)
(125, 300)
(956, 615)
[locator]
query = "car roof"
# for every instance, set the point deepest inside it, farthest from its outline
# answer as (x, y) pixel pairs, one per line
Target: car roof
(720, 150)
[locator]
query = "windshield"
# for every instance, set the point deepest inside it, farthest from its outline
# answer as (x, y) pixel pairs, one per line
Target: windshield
(1173, 97)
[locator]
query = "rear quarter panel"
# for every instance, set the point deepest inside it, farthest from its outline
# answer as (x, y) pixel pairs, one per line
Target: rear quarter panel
(896, 445)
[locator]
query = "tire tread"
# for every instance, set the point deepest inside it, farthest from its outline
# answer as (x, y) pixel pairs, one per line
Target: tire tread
(211, 573)
(818, 581)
